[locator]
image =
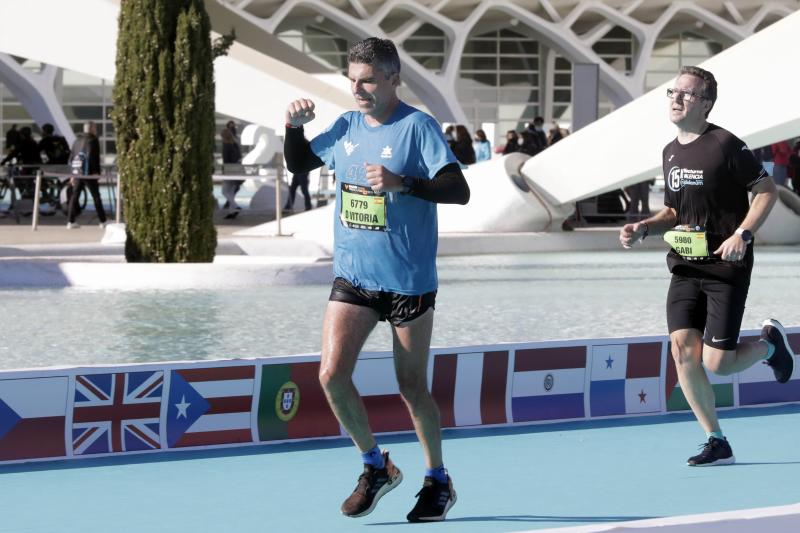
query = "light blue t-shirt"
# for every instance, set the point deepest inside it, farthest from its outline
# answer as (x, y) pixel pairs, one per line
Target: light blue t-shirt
(384, 242)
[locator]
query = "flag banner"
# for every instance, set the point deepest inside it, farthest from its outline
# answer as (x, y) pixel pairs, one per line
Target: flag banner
(33, 418)
(470, 388)
(376, 381)
(292, 404)
(210, 406)
(625, 379)
(757, 384)
(548, 383)
(676, 400)
(114, 413)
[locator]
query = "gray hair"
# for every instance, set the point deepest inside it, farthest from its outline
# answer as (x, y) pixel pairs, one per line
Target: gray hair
(380, 53)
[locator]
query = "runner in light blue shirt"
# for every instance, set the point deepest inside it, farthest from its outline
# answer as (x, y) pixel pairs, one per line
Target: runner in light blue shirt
(392, 166)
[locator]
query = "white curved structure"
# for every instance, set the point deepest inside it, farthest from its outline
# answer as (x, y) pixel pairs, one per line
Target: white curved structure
(783, 224)
(501, 201)
(249, 85)
(265, 144)
(625, 147)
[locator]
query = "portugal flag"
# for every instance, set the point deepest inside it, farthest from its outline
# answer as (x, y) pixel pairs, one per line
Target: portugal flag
(292, 405)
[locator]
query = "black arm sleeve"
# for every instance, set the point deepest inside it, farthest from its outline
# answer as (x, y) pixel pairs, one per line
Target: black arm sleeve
(448, 186)
(297, 152)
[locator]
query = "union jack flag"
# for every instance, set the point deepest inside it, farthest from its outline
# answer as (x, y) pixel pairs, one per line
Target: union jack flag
(117, 412)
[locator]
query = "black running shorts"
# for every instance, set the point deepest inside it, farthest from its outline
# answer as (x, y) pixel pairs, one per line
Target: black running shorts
(708, 305)
(390, 306)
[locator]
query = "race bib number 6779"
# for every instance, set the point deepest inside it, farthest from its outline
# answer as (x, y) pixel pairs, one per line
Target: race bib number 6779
(363, 208)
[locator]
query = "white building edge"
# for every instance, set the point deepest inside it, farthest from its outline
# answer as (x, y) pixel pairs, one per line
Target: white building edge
(509, 194)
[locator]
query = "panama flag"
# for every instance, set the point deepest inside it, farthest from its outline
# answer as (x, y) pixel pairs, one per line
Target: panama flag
(376, 382)
(548, 383)
(32, 418)
(757, 384)
(292, 404)
(625, 379)
(676, 400)
(470, 388)
(210, 406)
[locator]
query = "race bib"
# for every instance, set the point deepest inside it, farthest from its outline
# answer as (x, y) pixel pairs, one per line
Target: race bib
(363, 208)
(689, 243)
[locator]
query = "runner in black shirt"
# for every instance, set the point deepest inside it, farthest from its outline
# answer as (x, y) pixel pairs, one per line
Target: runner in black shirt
(709, 223)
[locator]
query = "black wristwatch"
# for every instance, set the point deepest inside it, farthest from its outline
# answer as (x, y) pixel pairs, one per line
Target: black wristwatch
(408, 184)
(746, 234)
(646, 229)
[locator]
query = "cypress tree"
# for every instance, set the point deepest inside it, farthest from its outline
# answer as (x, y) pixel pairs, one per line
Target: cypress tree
(164, 120)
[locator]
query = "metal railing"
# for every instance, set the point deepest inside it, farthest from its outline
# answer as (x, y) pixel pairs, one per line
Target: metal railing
(13, 174)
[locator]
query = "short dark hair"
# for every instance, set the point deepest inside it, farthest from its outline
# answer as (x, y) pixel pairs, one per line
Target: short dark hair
(709, 83)
(380, 53)
(48, 128)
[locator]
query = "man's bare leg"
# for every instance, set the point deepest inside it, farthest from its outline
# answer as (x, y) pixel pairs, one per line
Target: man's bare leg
(412, 343)
(345, 328)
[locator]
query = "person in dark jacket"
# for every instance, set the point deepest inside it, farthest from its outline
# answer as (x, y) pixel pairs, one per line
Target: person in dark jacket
(462, 147)
(26, 153)
(85, 161)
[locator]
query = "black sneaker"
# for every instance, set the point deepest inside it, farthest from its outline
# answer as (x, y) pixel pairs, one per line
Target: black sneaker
(434, 500)
(715, 452)
(782, 361)
(373, 483)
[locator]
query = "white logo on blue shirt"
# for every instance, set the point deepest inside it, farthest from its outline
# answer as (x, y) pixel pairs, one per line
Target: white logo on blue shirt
(349, 147)
(387, 152)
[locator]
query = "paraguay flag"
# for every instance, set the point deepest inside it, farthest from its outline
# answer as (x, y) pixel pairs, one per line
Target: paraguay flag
(470, 388)
(292, 404)
(548, 383)
(32, 418)
(625, 379)
(757, 384)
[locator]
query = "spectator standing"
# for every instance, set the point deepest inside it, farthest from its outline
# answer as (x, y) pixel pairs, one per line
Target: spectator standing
(482, 147)
(85, 161)
(12, 138)
(794, 167)
(231, 155)
(529, 144)
(780, 157)
(25, 152)
(54, 147)
(299, 179)
(462, 147)
(512, 142)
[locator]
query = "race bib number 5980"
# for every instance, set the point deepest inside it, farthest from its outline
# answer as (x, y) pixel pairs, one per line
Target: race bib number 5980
(363, 208)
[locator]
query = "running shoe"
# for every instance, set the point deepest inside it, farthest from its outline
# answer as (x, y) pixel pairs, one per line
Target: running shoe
(782, 361)
(434, 500)
(716, 452)
(372, 485)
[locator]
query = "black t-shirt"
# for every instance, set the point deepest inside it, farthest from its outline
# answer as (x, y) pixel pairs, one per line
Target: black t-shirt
(707, 183)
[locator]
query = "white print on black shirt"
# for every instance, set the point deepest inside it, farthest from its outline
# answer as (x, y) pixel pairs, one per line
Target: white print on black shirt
(684, 177)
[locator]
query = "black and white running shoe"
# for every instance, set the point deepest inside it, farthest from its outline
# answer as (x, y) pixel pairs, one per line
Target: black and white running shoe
(715, 452)
(782, 361)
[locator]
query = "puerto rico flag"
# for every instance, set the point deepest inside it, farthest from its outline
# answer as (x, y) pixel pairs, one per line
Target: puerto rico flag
(210, 406)
(32, 418)
(625, 379)
(117, 412)
(470, 388)
(548, 383)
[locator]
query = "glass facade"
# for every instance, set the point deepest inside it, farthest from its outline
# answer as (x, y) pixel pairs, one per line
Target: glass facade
(503, 77)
